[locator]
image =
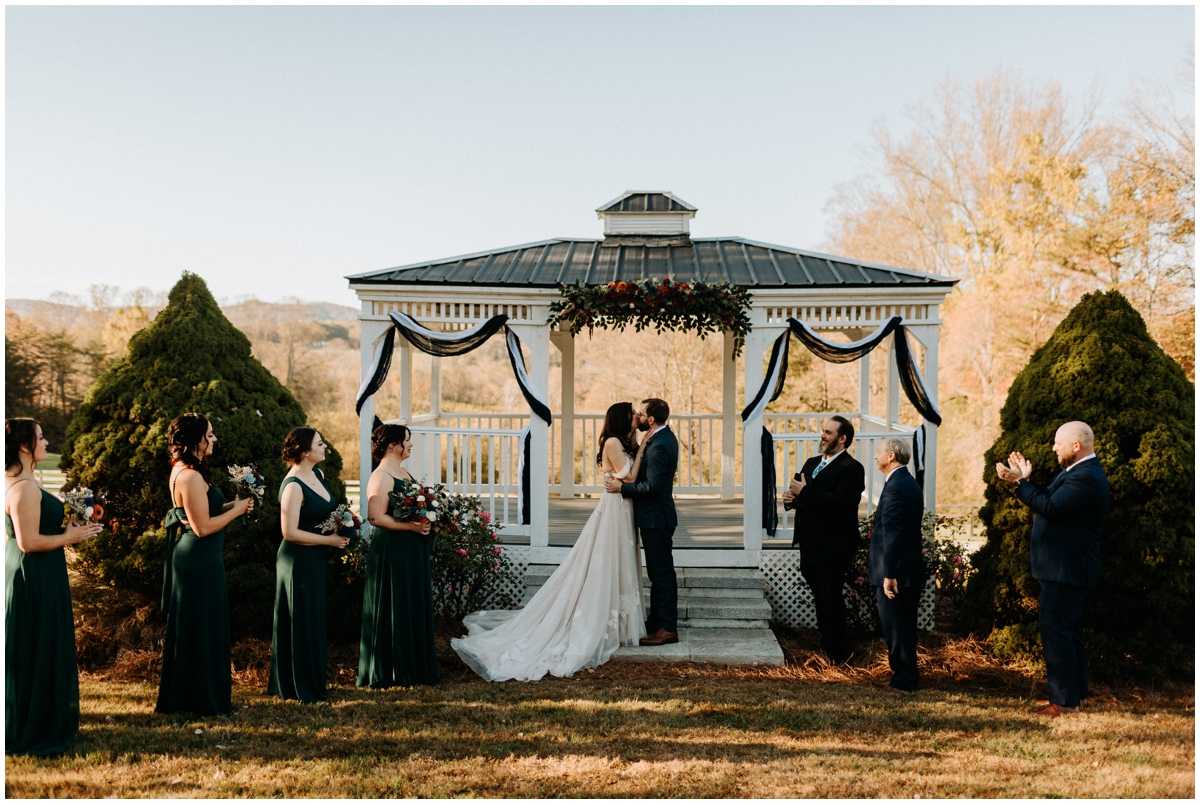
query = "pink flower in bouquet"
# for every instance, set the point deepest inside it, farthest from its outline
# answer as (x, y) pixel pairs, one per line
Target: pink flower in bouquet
(957, 560)
(484, 516)
(957, 575)
(461, 551)
(496, 550)
(495, 566)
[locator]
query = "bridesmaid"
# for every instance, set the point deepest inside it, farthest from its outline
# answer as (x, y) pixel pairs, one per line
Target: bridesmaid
(397, 647)
(299, 639)
(41, 681)
(196, 652)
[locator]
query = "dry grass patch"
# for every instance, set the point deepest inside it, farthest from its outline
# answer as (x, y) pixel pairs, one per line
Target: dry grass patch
(634, 729)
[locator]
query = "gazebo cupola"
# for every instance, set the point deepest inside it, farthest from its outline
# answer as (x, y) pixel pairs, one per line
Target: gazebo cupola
(643, 215)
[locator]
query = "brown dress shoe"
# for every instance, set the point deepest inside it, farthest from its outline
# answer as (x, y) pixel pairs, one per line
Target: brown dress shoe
(1054, 710)
(1084, 703)
(659, 637)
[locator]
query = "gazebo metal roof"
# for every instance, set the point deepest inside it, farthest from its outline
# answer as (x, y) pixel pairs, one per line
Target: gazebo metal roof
(734, 259)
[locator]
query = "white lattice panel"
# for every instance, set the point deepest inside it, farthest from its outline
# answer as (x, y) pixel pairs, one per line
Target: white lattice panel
(792, 601)
(519, 555)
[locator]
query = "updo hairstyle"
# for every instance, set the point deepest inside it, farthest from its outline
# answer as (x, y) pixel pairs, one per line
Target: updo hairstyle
(184, 436)
(298, 442)
(21, 432)
(385, 437)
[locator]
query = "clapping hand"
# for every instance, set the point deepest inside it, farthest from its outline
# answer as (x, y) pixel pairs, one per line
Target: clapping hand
(1018, 468)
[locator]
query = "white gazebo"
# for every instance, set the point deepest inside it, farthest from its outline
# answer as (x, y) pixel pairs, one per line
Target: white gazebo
(646, 235)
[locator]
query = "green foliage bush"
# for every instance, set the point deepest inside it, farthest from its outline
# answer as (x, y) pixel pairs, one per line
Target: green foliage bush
(192, 359)
(1101, 366)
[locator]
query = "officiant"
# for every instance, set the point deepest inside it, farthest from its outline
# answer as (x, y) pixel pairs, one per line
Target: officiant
(825, 494)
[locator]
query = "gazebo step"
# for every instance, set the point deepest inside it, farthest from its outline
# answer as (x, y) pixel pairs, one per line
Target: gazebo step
(691, 622)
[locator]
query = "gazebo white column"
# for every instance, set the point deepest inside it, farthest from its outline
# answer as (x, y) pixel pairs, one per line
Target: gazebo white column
(371, 330)
(406, 355)
(565, 342)
(729, 418)
(537, 338)
(435, 387)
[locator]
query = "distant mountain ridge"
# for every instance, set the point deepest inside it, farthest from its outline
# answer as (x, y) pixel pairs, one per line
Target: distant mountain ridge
(278, 311)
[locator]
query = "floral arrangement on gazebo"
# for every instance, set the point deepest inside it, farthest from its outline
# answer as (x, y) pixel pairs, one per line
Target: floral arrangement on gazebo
(667, 305)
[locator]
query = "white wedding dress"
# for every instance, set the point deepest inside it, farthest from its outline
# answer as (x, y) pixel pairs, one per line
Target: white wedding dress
(589, 607)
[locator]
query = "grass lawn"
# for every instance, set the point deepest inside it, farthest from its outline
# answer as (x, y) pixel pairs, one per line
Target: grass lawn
(632, 729)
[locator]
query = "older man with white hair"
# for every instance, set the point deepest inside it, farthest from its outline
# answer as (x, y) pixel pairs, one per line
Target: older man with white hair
(1064, 554)
(895, 565)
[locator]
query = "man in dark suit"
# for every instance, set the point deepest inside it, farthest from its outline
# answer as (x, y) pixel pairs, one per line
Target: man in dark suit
(825, 494)
(1064, 554)
(897, 568)
(654, 516)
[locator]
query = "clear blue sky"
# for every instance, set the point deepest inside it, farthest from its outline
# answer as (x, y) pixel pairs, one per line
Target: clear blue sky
(274, 150)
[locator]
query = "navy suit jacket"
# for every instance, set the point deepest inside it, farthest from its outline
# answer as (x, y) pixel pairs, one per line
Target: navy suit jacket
(653, 505)
(896, 538)
(1068, 516)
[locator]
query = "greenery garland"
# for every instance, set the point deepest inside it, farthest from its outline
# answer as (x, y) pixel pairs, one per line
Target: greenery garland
(697, 307)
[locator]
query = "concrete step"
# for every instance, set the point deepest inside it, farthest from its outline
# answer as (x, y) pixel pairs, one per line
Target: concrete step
(693, 622)
(749, 579)
(753, 646)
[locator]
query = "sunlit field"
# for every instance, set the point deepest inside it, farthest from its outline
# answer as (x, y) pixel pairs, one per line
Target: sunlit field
(632, 729)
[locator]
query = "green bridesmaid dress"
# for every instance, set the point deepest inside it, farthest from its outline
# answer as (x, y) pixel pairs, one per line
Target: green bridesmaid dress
(41, 679)
(299, 639)
(197, 651)
(397, 647)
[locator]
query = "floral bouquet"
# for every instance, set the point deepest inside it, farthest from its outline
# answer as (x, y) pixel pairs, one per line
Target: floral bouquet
(343, 518)
(84, 503)
(412, 502)
(247, 478)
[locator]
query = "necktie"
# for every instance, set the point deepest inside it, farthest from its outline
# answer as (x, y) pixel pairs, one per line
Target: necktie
(820, 466)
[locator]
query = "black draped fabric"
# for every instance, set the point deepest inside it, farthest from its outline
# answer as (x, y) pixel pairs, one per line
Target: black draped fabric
(517, 360)
(380, 367)
(770, 516)
(776, 376)
(523, 504)
(841, 352)
(912, 382)
(446, 344)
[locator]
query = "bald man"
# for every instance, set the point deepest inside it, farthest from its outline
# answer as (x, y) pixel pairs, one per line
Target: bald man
(1064, 554)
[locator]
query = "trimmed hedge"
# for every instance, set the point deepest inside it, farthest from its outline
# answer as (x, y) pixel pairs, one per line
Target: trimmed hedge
(191, 358)
(1101, 366)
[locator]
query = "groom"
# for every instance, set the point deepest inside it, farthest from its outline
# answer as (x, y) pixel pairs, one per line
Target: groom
(654, 515)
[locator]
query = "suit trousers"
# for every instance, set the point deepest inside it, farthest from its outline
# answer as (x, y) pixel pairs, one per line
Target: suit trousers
(1060, 619)
(899, 620)
(824, 571)
(660, 568)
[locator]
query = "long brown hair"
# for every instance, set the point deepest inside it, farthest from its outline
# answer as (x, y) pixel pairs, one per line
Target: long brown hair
(618, 423)
(186, 432)
(21, 432)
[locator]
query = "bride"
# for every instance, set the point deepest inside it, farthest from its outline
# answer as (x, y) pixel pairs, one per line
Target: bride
(591, 605)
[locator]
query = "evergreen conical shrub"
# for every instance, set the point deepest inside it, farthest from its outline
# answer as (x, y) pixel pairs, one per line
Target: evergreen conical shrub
(191, 358)
(1101, 366)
